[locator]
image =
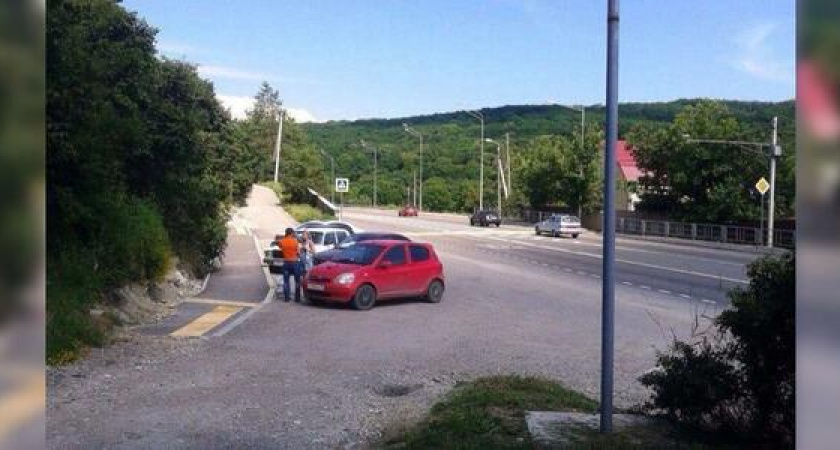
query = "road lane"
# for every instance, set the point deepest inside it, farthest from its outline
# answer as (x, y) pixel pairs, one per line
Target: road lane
(680, 270)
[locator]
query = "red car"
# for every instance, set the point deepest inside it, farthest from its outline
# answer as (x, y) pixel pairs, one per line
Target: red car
(377, 270)
(407, 211)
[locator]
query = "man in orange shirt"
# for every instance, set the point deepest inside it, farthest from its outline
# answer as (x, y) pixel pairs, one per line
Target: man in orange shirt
(290, 248)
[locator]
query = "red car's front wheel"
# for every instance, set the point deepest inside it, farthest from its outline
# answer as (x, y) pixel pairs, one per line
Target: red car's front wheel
(364, 298)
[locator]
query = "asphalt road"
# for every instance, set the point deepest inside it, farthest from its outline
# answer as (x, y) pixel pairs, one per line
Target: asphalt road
(693, 274)
(299, 376)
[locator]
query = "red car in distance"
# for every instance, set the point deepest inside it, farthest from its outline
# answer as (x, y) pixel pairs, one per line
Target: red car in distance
(408, 211)
(370, 271)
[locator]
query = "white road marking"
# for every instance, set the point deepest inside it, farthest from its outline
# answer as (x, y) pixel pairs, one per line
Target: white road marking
(644, 287)
(664, 291)
(627, 283)
(636, 263)
(711, 302)
(685, 296)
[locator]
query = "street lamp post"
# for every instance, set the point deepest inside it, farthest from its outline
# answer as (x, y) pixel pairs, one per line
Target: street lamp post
(608, 282)
(416, 133)
(375, 168)
(480, 116)
(499, 177)
(277, 145)
(775, 151)
(332, 182)
(582, 110)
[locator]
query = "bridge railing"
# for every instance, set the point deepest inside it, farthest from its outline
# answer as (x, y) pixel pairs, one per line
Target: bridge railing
(733, 234)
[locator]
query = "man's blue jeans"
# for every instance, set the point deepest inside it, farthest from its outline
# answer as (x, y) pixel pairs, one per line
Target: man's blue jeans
(291, 268)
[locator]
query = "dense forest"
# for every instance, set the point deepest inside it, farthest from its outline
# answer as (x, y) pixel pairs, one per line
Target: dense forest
(549, 165)
(143, 163)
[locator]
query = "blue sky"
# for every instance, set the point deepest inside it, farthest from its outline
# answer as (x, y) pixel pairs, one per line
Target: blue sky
(350, 59)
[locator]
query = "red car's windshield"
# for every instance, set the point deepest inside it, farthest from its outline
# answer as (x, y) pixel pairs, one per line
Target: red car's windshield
(361, 254)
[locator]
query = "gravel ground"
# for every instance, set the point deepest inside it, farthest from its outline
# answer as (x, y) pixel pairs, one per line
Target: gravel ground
(296, 376)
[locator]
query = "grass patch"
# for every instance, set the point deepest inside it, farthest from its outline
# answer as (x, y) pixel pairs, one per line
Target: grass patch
(303, 213)
(490, 413)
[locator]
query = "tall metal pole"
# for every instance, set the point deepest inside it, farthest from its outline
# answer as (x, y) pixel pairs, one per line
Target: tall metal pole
(375, 169)
(366, 146)
(499, 176)
(414, 189)
(507, 156)
(480, 116)
(608, 287)
(481, 170)
(420, 208)
(582, 149)
(332, 167)
(772, 208)
(277, 145)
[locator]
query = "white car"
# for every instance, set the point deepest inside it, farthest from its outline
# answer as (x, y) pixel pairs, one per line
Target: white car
(559, 224)
(322, 239)
(314, 224)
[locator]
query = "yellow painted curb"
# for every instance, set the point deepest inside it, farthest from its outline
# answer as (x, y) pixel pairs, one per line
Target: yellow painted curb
(206, 322)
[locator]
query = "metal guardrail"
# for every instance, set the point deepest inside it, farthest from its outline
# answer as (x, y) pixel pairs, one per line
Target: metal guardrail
(732, 234)
(704, 232)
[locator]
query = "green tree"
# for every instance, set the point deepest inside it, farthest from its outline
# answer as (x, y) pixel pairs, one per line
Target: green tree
(698, 181)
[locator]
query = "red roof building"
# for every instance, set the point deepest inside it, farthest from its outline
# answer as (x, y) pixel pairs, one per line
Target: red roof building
(627, 165)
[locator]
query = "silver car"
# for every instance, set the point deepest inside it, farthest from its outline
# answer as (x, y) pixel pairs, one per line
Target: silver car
(559, 224)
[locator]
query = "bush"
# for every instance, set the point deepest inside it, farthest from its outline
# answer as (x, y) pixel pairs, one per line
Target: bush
(134, 246)
(741, 379)
(73, 287)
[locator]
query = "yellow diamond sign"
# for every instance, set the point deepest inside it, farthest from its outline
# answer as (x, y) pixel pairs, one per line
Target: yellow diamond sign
(762, 186)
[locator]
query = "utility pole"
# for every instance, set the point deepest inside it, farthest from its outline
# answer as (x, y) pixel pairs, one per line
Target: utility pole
(480, 116)
(332, 182)
(775, 151)
(608, 286)
(375, 168)
(278, 143)
(582, 150)
(499, 175)
(416, 133)
(414, 189)
(507, 151)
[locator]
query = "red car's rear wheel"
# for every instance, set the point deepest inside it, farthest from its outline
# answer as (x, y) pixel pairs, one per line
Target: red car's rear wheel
(434, 293)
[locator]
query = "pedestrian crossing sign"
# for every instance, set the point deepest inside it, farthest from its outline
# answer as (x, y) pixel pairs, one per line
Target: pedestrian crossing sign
(342, 184)
(762, 186)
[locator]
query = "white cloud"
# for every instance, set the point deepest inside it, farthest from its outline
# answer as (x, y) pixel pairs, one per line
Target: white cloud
(757, 57)
(239, 105)
(301, 115)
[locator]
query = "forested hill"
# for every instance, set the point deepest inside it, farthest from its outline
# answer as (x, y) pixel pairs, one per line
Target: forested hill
(535, 120)
(450, 162)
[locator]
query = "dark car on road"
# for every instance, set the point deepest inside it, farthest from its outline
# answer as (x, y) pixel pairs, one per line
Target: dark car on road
(408, 211)
(353, 239)
(485, 218)
(371, 271)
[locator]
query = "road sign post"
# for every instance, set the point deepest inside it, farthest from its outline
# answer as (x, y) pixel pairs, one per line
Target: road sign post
(762, 186)
(342, 185)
